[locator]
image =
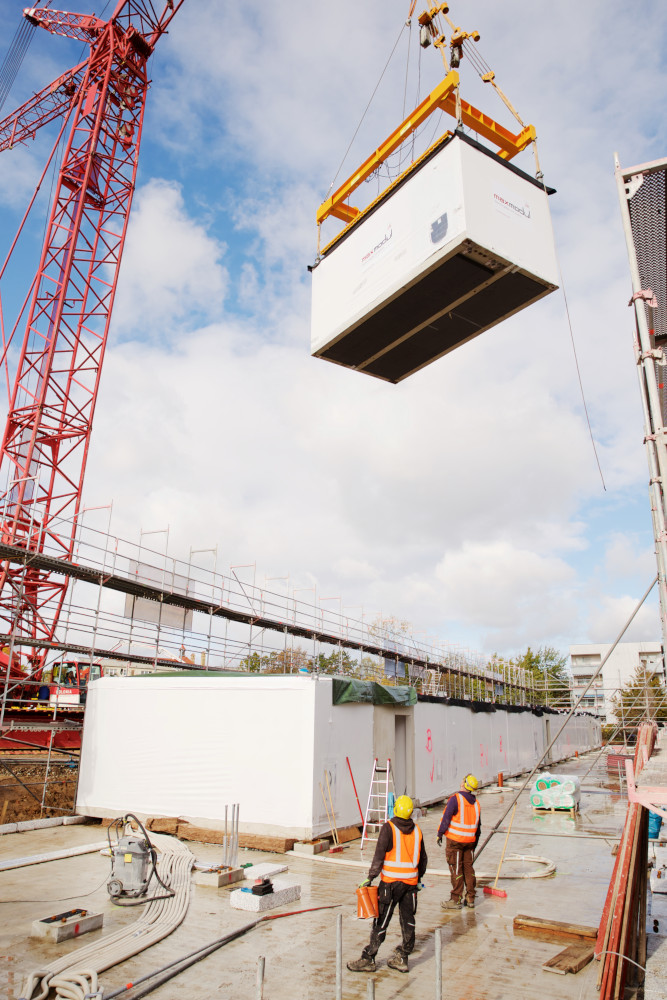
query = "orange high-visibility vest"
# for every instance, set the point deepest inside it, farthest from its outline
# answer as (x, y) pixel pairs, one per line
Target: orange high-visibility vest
(463, 827)
(401, 863)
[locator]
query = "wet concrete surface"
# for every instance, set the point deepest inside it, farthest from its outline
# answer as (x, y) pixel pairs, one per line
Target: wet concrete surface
(482, 958)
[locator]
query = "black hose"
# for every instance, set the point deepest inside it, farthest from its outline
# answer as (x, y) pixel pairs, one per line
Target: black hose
(167, 972)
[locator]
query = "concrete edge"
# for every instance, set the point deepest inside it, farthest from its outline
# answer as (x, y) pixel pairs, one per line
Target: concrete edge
(41, 824)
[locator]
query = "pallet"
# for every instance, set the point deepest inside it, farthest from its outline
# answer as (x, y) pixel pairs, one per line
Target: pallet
(556, 811)
(571, 959)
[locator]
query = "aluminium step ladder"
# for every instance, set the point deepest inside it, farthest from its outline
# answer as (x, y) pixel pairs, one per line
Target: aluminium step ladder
(380, 801)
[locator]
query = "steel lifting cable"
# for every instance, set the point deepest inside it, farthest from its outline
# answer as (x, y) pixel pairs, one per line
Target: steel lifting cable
(11, 64)
(365, 112)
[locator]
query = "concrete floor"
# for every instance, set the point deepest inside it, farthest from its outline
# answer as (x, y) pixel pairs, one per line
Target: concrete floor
(482, 959)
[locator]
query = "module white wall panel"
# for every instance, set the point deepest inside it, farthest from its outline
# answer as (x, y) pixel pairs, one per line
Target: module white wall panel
(507, 214)
(340, 731)
(188, 746)
(422, 221)
(451, 741)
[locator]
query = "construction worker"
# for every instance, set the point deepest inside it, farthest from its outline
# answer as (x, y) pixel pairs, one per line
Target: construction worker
(461, 825)
(400, 861)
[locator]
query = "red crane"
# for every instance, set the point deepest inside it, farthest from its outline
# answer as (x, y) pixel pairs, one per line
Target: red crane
(45, 445)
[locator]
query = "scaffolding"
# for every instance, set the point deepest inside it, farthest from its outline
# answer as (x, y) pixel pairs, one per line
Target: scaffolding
(642, 192)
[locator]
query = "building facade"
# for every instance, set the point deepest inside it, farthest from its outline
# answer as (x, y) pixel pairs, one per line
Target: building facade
(617, 671)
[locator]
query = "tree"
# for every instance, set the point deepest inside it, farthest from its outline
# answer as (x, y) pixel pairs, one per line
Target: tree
(338, 662)
(642, 699)
(546, 673)
(252, 663)
(285, 661)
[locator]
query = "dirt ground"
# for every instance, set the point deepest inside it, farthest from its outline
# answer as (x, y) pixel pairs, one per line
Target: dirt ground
(22, 789)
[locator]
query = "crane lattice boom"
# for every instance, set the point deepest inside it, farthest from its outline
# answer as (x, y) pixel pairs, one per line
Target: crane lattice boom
(47, 434)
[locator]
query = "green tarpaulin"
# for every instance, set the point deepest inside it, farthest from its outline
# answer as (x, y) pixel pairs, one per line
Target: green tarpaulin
(346, 691)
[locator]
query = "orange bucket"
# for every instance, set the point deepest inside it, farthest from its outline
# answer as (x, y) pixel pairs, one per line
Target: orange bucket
(367, 902)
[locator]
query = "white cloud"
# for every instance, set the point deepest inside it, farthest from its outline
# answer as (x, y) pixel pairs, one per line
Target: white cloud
(171, 268)
(466, 499)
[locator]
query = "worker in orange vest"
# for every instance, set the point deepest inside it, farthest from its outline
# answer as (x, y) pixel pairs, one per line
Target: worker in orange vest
(461, 825)
(400, 861)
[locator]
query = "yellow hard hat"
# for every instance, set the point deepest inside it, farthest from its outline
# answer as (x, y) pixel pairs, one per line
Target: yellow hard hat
(471, 782)
(403, 807)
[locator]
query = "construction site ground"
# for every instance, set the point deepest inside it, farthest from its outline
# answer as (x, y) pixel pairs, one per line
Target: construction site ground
(483, 959)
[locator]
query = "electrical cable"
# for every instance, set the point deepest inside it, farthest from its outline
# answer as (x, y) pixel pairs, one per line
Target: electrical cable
(59, 899)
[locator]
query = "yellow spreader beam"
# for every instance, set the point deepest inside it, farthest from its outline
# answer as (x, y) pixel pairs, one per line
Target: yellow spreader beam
(442, 98)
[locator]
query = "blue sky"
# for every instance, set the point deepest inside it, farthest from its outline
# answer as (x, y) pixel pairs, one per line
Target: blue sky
(466, 500)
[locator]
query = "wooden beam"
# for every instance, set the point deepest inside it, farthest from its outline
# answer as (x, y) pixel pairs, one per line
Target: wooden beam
(571, 959)
(539, 927)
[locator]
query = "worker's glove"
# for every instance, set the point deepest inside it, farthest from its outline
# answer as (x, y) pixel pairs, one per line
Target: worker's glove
(439, 842)
(420, 886)
(369, 881)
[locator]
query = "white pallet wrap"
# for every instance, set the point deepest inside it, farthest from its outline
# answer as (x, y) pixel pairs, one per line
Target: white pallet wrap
(461, 244)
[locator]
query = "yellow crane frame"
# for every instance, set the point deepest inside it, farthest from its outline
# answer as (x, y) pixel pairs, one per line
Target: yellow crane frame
(445, 97)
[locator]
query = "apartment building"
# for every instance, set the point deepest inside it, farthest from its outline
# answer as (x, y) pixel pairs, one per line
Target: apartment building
(617, 671)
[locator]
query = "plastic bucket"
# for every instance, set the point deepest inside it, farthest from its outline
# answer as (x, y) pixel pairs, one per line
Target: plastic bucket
(367, 902)
(654, 824)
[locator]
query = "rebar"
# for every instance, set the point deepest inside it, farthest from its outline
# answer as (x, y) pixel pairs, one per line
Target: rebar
(438, 964)
(260, 977)
(339, 956)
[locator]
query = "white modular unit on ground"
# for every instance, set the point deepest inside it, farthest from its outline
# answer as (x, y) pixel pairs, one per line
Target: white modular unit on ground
(463, 242)
(188, 745)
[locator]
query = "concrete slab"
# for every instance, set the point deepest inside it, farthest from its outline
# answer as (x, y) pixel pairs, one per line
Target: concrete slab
(71, 923)
(264, 869)
(482, 960)
(216, 880)
(284, 891)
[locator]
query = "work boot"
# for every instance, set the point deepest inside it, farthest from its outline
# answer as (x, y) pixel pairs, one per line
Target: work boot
(470, 903)
(451, 904)
(398, 961)
(362, 965)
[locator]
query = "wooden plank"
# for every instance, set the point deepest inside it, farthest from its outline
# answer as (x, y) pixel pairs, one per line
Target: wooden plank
(348, 833)
(550, 929)
(572, 959)
(256, 841)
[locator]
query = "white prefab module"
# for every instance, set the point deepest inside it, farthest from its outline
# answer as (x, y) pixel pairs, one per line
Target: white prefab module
(187, 745)
(458, 245)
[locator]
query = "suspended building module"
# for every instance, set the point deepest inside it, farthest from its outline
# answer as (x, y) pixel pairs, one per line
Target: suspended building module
(461, 242)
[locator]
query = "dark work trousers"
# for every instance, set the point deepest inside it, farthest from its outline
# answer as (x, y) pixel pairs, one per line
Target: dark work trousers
(391, 894)
(459, 858)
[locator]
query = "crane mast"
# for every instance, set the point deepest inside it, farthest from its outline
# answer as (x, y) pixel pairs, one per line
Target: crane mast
(52, 402)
